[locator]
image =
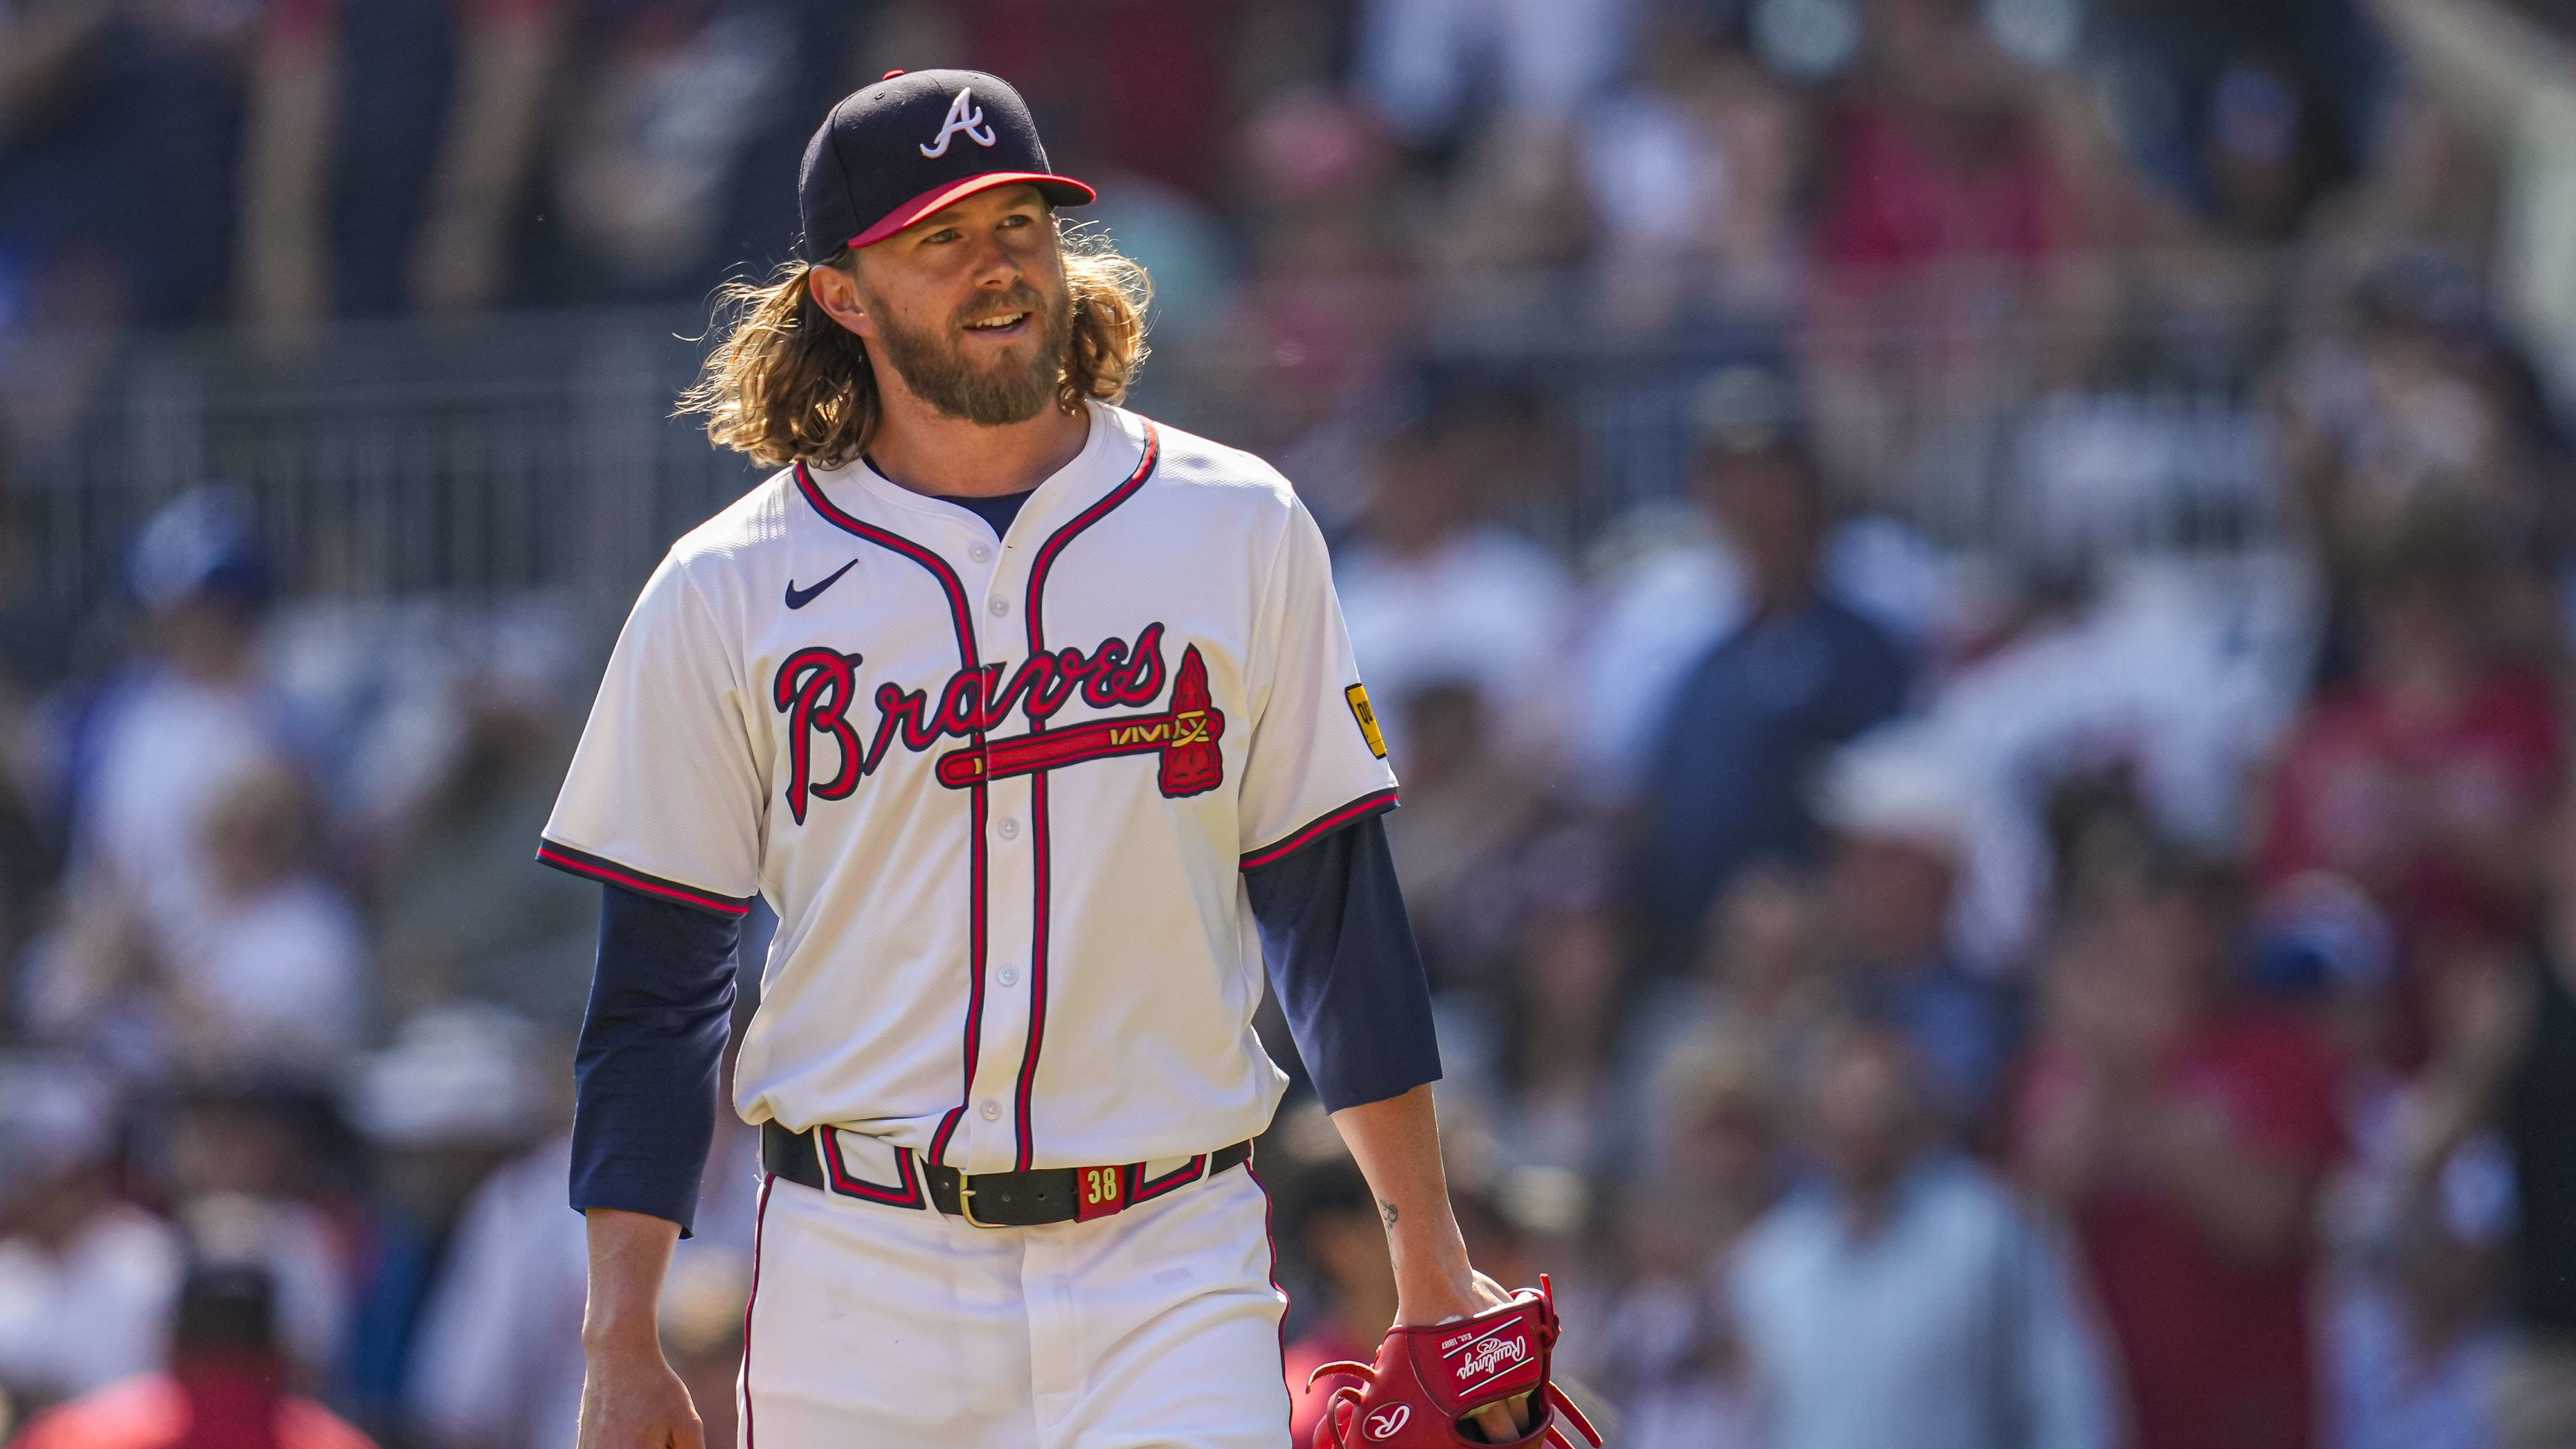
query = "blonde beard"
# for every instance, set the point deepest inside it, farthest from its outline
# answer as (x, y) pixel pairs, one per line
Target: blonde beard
(942, 377)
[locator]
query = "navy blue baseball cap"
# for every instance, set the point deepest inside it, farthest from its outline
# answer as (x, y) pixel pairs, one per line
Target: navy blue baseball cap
(915, 142)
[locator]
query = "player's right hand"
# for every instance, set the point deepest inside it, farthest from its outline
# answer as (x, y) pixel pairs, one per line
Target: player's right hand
(630, 1399)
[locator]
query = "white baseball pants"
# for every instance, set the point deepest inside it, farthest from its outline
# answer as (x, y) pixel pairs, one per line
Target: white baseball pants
(887, 1326)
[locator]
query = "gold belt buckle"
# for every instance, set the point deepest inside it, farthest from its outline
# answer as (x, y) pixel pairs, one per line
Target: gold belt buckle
(966, 1203)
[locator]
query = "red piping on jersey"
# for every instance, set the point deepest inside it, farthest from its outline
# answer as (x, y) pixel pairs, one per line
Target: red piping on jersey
(1368, 804)
(965, 622)
(897, 543)
(759, 1226)
(1188, 1172)
(1269, 1212)
(582, 862)
(1038, 843)
(906, 1194)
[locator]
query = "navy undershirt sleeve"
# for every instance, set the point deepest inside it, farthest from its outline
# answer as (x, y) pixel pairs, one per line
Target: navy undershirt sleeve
(1344, 964)
(652, 1047)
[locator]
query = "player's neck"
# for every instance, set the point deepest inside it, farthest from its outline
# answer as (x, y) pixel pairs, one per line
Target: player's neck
(948, 457)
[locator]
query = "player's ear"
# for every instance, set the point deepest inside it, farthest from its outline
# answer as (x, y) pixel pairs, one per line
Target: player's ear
(837, 293)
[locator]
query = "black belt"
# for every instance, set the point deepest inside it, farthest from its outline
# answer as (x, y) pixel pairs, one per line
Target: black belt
(999, 1199)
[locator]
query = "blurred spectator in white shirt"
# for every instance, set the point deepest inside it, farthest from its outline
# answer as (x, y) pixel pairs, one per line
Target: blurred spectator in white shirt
(264, 976)
(1903, 1297)
(1425, 62)
(2175, 679)
(456, 1094)
(1692, 171)
(240, 1163)
(1434, 591)
(1899, 824)
(497, 1361)
(2417, 1346)
(462, 1091)
(273, 973)
(152, 756)
(86, 1281)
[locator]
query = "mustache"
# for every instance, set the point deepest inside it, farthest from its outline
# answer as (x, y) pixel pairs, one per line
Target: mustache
(1021, 298)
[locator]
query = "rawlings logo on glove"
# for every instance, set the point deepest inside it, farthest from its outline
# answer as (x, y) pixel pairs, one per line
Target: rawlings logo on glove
(1429, 1378)
(1489, 1355)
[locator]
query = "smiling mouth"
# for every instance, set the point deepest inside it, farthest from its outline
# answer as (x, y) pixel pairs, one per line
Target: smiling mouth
(1000, 324)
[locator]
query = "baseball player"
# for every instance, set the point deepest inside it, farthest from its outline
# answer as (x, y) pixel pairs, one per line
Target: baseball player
(1036, 723)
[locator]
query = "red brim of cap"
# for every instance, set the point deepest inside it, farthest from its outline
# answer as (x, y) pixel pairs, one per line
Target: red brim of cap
(1062, 190)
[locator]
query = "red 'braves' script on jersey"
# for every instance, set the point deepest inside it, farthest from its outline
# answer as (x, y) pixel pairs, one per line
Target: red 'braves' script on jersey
(815, 686)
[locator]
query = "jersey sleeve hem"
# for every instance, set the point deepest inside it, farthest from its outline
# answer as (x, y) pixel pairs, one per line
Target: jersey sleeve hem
(1383, 1084)
(673, 1201)
(1374, 803)
(599, 868)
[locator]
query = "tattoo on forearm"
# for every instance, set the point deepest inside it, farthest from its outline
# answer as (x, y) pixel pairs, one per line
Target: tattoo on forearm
(1389, 1209)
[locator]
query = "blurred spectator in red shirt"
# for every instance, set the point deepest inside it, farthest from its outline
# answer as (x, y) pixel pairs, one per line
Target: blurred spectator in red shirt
(226, 1388)
(1938, 163)
(1942, 198)
(2427, 778)
(1130, 85)
(2186, 1137)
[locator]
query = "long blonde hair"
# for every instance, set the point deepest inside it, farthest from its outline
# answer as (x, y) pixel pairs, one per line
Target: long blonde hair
(787, 383)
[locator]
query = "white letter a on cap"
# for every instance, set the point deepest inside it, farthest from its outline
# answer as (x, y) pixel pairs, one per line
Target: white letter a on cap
(963, 115)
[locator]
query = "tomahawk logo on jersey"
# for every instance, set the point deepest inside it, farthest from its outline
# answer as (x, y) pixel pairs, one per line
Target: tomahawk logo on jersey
(1000, 792)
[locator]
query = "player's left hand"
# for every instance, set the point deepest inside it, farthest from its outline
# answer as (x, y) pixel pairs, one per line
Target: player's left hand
(1499, 1422)
(1427, 1387)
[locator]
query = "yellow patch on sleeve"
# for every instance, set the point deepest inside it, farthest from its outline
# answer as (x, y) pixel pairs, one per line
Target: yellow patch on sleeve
(1357, 694)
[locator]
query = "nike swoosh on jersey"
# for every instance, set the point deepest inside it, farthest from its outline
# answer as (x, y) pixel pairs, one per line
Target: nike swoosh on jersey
(798, 598)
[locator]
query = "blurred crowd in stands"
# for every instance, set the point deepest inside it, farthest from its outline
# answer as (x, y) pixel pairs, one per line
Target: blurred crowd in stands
(2101, 972)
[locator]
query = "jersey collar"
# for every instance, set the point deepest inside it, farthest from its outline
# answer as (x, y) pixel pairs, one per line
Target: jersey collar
(1108, 457)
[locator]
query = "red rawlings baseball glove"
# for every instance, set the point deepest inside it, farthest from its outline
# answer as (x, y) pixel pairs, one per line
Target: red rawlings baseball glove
(1427, 1379)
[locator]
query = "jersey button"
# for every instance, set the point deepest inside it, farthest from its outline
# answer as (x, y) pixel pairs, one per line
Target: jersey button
(1001, 607)
(992, 1109)
(979, 553)
(1010, 976)
(1010, 830)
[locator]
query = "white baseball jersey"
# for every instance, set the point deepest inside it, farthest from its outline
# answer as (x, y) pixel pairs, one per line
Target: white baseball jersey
(1000, 794)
